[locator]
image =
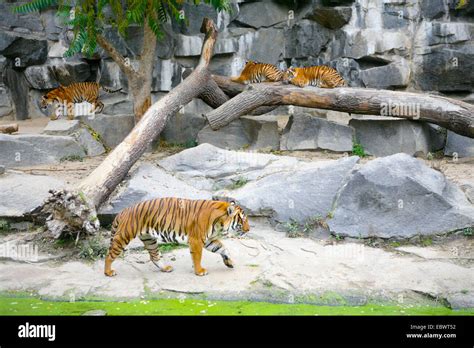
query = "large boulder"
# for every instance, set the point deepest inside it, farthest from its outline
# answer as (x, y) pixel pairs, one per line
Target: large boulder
(304, 132)
(148, 182)
(300, 195)
(112, 129)
(24, 51)
(399, 196)
(20, 193)
(232, 136)
(28, 149)
(306, 38)
(211, 168)
(384, 136)
(183, 128)
(459, 146)
(261, 14)
(331, 17)
(18, 88)
(447, 69)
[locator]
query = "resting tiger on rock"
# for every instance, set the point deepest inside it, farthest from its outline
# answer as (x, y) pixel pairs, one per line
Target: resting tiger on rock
(319, 76)
(255, 72)
(75, 93)
(199, 223)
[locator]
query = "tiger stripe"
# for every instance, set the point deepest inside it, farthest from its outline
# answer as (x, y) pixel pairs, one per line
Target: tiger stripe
(174, 220)
(76, 93)
(320, 76)
(255, 72)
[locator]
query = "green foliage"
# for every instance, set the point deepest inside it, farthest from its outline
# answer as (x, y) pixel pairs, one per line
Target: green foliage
(93, 248)
(358, 150)
(72, 158)
(167, 247)
(4, 226)
(87, 18)
(238, 183)
(293, 229)
(468, 231)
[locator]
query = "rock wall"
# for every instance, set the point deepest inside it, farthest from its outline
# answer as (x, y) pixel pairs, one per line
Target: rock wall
(423, 45)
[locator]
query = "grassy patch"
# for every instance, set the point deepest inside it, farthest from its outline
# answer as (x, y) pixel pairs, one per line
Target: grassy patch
(33, 306)
(4, 226)
(238, 183)
(358, 150)
(167, 247)
(93, 248)
(72, 158)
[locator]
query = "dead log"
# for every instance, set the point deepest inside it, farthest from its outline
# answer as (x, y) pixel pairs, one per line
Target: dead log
(76, 210)
(9, 128)
(446, 112)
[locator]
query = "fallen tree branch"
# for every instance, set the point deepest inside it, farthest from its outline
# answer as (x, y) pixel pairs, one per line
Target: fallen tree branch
(446, 112)
(9, 128)
(76, 210)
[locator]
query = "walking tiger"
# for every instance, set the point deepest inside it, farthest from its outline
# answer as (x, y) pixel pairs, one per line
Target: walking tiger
(199, 223)
(75, 93)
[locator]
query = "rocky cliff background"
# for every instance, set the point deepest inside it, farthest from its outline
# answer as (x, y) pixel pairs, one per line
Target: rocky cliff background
(422, 45)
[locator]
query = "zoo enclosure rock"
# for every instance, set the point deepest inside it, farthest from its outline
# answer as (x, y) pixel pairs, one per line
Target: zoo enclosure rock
(27, 149)
(19, 193)
(398, 196)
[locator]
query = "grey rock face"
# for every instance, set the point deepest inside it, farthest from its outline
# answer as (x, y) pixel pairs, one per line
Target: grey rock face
(384, 136)
(212, 168)
(18, 87)
(232, 136)
(91, 146)
(331, 17)
(148, 182)
(263, 131)
(19, 193)
(447, 69)
(433, 9)
(386, 77)
(25, 52)
(111, 128)
(61, 127)
(458, 145)
(399, 196)
(304, 132)
(26, 150)
(306, 38)
(308, 192)
(261, 14)
(183, 128)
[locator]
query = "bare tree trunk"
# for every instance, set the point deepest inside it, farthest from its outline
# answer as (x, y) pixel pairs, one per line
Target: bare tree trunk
(9, 128)
(446, 112)
(75, 211)
(139, 80)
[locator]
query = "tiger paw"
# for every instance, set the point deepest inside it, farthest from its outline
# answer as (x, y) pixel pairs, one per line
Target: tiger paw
(228, 262)
(201, 272)
(110, 273)
(167, 269)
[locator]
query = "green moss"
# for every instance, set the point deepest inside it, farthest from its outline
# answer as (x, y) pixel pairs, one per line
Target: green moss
(238, 183)
(34, 306)
(358, 150)
(167, 247)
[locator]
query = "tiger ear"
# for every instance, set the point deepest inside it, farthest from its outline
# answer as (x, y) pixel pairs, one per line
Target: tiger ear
(231, 208)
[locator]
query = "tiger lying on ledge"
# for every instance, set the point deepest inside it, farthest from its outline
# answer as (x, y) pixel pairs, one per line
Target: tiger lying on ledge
(197, 223)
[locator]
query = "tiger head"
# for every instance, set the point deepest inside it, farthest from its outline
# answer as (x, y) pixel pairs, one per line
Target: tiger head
(290, 73)
(236, 220)
(50, 97)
